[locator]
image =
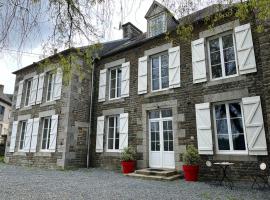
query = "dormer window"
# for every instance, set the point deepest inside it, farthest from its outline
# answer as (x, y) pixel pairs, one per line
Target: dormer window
(157, 25)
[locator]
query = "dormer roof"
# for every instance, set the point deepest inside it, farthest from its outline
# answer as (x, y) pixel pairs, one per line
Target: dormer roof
(155, 9)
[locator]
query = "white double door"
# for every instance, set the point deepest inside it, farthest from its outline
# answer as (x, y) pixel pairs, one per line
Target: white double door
(161, 145)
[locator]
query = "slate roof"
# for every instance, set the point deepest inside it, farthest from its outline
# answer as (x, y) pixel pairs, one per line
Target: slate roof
(115, 46)
(6, 98)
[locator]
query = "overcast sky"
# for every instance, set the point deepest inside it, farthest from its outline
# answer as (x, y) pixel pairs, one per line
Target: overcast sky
(11, 61)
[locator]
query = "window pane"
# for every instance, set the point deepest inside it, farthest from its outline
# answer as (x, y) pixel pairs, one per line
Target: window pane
(166, 145)
(110, 143)
(155, 84)
(117, 143)
(215, 58)
(155, 73)
(111, 122)
(164, 71)
(153, 114)
(227, 41)
(165, 82)
(113, 83)
(228, 54)
(230, 68)
(165, 135)
(214, 45)
(222, 127)
(157, 146)
(223, 142)
(239, 142)
(170, 145)
(237, 125)
(166, 113)
(220, 111)
(119, 78)
(235, 110)
(153, 146)
(216, 71)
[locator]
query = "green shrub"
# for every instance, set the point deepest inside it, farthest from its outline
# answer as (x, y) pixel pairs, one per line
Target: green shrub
(128, 154)
(191, 156)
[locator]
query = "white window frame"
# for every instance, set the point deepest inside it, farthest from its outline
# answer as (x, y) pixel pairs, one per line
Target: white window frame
(19, 146)
(114, 134)
(159, 62)
(48, 134)
(222, 55)
(164, 29)
(110, 76)
(160, 121)
(52, 86)
(27, 97)
(229, 152)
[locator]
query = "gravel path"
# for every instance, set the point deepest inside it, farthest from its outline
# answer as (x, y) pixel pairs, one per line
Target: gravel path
(32, 183)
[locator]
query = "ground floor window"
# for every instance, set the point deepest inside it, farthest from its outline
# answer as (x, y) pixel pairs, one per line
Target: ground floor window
(229, 129)
(113, 133)
(22, 136)
(46, 133)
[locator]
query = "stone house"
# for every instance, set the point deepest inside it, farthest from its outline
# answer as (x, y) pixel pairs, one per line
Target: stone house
(158, 96)
(5, 109)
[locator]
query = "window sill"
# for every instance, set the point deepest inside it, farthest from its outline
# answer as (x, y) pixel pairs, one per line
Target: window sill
(112, 154)
(19, 153)
(43, 153)
(226, 80)
(25, 108)
(234, 157)
(114, 101)
(48, 103)
(158, 93)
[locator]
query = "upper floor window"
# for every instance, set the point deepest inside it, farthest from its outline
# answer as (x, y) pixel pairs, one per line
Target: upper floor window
(50, 86)
(115, 82)
(229, 127)
(222, 56)
(157, 25)
(46, 133)
(28, 91)
(160, 71)
(113, 133)
(22, 137)
(2, 110)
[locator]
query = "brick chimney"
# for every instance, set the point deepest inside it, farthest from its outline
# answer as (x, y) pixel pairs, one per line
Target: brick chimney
(130, 31)
(1, 89)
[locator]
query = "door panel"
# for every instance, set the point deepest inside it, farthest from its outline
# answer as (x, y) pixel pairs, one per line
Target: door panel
(161, 154)
(155, 154)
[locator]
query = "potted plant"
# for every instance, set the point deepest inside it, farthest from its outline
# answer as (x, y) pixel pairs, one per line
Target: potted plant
(128, 160)
(191, 167)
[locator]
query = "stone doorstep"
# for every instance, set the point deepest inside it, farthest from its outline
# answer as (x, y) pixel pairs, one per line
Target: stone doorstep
(155, 177)
(157, 172)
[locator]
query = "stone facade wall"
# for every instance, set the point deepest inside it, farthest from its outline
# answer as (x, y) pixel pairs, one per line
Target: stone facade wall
(73, 107)
(186, 97)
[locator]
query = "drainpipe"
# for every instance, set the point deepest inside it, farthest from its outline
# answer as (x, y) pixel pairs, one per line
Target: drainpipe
(90, 115)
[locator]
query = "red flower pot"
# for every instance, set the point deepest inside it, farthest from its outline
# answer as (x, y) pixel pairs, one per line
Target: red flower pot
(128, 166)
(191, 172)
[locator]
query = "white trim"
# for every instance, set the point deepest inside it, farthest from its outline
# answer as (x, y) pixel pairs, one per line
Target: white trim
(159, 67)
(48, 133)
(160, 121)
(27, 84)
(219, 36)
(233, 152)
(114, 133)
(20, 139)
(52, 86)
(116, 80)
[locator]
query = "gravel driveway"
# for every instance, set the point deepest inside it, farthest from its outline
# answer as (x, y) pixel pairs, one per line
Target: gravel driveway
(33, 183)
